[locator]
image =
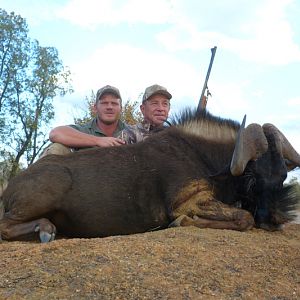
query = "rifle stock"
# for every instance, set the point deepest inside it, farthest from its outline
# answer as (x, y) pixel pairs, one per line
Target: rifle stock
(202, 101)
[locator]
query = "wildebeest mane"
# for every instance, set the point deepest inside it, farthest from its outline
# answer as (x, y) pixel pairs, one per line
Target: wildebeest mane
(192, 114)
(205, 125)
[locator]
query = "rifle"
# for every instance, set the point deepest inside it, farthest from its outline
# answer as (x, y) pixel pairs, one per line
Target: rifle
(203, 100)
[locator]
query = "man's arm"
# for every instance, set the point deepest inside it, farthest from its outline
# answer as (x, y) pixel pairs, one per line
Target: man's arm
(73, 138)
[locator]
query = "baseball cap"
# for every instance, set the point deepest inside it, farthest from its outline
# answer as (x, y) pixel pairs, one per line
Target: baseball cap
(155, 89)
(108, 89)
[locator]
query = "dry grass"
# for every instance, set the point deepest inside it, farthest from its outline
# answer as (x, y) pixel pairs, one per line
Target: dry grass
(177, 263)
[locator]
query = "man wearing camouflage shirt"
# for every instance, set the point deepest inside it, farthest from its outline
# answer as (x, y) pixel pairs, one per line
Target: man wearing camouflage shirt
(155, 108)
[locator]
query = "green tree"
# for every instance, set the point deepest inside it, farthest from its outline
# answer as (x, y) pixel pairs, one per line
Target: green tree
(131, 113)
(31, 76)
(294, 180)
(5, 167)
(14, 48)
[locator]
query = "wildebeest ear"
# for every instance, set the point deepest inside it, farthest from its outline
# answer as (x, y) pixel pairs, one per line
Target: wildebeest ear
(283, 146)
(289, 165)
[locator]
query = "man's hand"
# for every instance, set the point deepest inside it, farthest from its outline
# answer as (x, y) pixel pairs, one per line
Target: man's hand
(109, 142)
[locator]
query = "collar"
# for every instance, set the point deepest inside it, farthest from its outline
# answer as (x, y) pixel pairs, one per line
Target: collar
(93, 126)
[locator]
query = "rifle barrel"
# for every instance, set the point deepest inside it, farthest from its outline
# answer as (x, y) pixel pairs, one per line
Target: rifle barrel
(213, 53)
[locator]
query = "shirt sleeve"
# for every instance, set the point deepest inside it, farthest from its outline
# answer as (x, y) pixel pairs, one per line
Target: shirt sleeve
(128, 135)
(80, 128)
(135, 133)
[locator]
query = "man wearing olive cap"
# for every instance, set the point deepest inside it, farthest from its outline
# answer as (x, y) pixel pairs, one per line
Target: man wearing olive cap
(155, 108)
(102, 131)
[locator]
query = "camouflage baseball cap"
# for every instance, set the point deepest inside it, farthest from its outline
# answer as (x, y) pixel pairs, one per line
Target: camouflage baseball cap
(155, 89)
(108, 89)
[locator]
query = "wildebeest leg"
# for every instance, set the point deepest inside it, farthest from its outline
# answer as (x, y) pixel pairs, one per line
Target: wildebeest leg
(33, 196)
(11, 229)
(241, 223)
(195, 205)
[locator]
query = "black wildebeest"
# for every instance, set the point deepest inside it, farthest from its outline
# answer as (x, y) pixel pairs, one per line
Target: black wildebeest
(204, 171)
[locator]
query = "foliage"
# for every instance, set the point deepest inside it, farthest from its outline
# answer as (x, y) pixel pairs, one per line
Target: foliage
(131, 113)
(31, 76)
(294, 180)
(6, 163)
(14, 48)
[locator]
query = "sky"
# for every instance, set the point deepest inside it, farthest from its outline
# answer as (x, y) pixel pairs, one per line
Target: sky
(132, 44)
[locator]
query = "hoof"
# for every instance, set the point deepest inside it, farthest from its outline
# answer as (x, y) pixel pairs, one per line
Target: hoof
(244, 220)
(177, 221)
(46, 237)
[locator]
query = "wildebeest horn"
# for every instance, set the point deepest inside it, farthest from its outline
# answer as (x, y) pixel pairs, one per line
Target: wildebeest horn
(250, 144)
(284, 147)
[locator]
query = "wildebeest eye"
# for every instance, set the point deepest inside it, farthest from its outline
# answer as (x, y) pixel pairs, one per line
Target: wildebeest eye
(250, 180)
(250, 184)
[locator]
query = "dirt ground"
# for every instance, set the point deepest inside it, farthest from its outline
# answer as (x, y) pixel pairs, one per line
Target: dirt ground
(177, 263)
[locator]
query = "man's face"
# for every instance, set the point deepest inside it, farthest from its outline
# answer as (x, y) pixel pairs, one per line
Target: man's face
(108, 109)
(156, 109)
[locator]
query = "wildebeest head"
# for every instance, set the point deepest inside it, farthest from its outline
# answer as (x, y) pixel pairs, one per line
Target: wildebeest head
(262, 158)
(249, 172)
